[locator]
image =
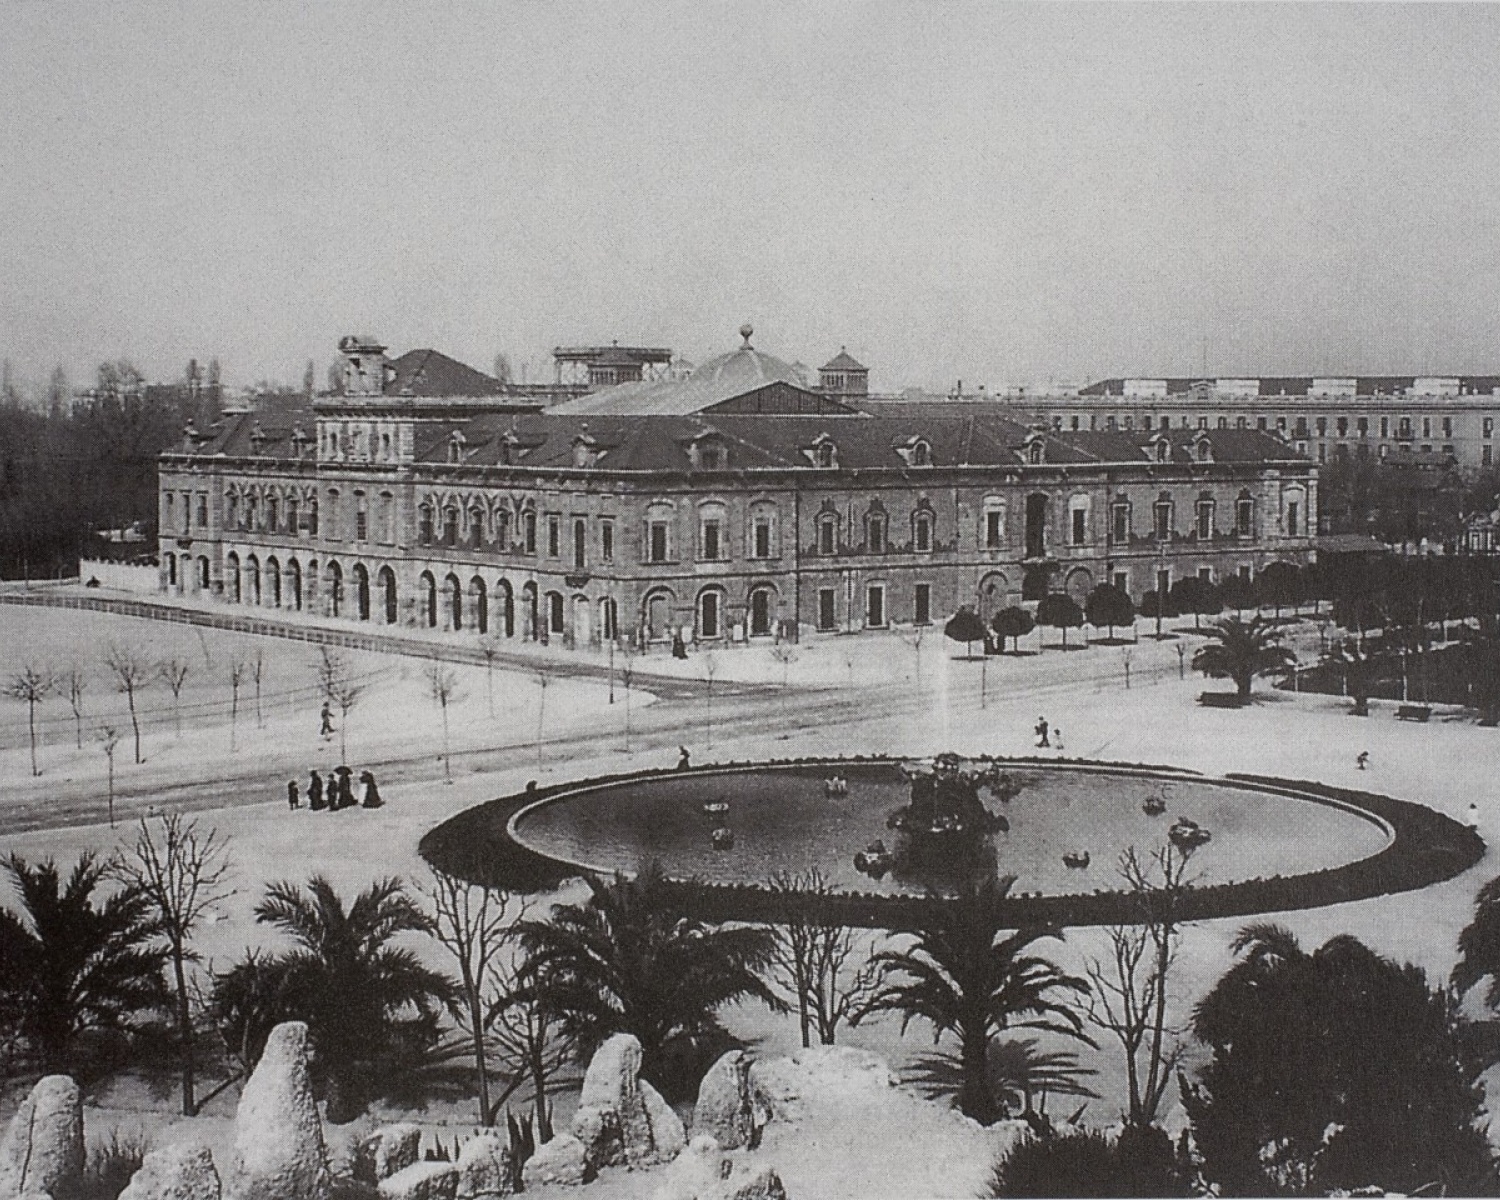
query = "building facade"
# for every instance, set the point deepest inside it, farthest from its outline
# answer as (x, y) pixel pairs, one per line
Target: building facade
(1322, 418)
(734, 504)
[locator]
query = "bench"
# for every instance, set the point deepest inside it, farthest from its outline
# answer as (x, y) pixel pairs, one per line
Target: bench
(1220, 700)
(1413, 712)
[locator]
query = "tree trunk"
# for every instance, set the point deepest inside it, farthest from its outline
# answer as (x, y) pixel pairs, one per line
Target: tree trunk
(974, 1098)
(481, 1068)
(31, 722)
(185, 1034)
(135, 725)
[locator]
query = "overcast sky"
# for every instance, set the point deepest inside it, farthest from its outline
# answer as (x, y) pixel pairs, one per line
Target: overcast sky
(992, 193)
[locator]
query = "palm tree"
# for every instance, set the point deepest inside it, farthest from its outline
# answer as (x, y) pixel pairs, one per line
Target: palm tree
(369, 1006)
(74, 965)
(630, 960)
(963, 978)
(1241, 650)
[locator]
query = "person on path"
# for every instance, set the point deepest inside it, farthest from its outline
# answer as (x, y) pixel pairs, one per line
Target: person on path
(315, 792)
(325, 730)
(291, 795)
(682, 758)
(1057, 740)
(1362, 760)
(346, 787)
(1042, 739)
(370, 794)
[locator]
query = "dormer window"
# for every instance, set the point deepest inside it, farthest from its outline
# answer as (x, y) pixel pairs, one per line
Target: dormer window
(456, 447)
(508, 446)
(828, 455)
(708, 453)
(585, 451)
(1203, 450)
(1034, 448)
(1161, 449)
(920, 453)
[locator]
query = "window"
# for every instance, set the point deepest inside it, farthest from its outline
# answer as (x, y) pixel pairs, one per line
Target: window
(251, 514)
(923, 600)
(1073, 425)
(331, 516)
(708, 615)
(1385, 427)
(1206, 574)
(502, 529)
(1426, 427)
(580, 542)
(1080, 526)
(1291, 518)
(1487, 456)
(1243, 513)
(1120, 526)
(231, 512)
(1223, 423)
(1301, 427)
(921, 455)
(875, 606)
(385, 446)
(424, 525)
(1163, 517)
(476, 529)
(1489, 427)
(291, 517)
(528, 524)
(994, 529)
(1322, 452)
(385, 525)
(1205, 519)
(1362, 426)
(1119, 581)
(711, 540)
(607, 540)
(202, 510)
(827, 455)
(1146, 422)
(827, 535)
(1448, 427)
(1260, 424)
(1203, 422)
(1129, 421)
(556, 620)
(170, 519)
(922, 533)
(1280, 424)
(1242, 423)
(762, 539)
(875, 535)
(312, 516)
(554, 536)
(361, 518)
(1343, 426)
(450, 526)
(826, 618)
(1403, 429)
(658, 541)
(272, 513)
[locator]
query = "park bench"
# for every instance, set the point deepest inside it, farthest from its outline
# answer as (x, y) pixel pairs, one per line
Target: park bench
(1219, 699)
(1413, 712)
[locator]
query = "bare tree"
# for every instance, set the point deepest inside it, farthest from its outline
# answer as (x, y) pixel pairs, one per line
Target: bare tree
(309, 379)
(815, 957)
(257, 672)
(489, 646)
(340, 690)
(442, 686)
(541, 711)
(502, 368)
(627, 677)
(74, 683)
(182, 872)
(237, 670)
(786, 654)
(109, 739)
(1130, 987)
(33, 685)
(174, 673)
(132, 674)
(710, 669)
(913, 638)
(531, 1046)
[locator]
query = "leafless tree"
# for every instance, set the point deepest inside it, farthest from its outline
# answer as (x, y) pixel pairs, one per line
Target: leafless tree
(627, 677)
(442, 686)
(340, 690)
(109, 739)
(786, 654)
(174, 672)
(183, 873)
(913, 638)
(818, 963)
(710, 669)
(33, 685)
(541, 711)
(132, 674)
(237, 671)
(74, 683)
(489, 646)
(1130, 986)
(257, 672)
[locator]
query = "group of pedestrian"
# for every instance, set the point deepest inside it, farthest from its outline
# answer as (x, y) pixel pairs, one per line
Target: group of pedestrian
(337, 793)
(1048, 737)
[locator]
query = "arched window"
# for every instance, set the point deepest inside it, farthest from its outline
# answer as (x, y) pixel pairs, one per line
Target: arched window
(502, 529)
(273, 583)
(1035, 452)
(428, 593)
(272, 515)
(250, 513)
(172, 569)
(385, 446)
(828, 455)
(528, 525)
(875, 533)
(361, 518)
(424, 525)
(557, 621)
(710, 614)
(232, 577)
(476, 527)
(1162, 517)
(231, 510)
(760, 612)
(291, 516)
(921, 455)
(921, 536)
(450, 525)
(828, 534)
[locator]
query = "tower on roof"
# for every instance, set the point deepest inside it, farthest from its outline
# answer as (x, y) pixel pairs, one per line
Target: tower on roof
(844, 375)
(365, 368)
(598, 367)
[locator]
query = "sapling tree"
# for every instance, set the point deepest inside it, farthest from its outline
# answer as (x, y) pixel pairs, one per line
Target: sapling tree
(336, 682)
(109, 740)
(237, 672)
(32, 685)
(818, 964)
(174, 672)
(74, 683)
(786, 655)
(183, 873)
(257, 673)
(131, 673)
(541, 710)
(489, 648)
(442, 687)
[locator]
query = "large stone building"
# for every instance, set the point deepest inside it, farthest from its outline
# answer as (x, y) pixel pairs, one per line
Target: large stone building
(737, 502)
(1323, 418)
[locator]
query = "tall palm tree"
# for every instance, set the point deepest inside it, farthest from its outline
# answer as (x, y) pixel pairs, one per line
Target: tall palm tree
(74, 964)
(1241, 650)
(960, 975)
(369, 1006)
(631, 960)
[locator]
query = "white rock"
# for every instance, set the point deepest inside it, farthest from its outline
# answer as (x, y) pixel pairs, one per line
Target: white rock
(422, 1181)
(620, 1118)
(559, 1161)
(695, 1174)
(668, 1137)
(42, 1151)
(181, 1172)
(389, 1149)
(483, 1167)
(725, 1109)
(765, 1185)
(277, 1151)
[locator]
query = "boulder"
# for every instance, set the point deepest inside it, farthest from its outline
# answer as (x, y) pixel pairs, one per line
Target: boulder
(697, 1173)
(727, 1109)
(620, 1119)
(277, 1151)
(42, 1151)
(389, 1149)
(182, 1172)
(341, 1143)
(484, 1167)
(559, 1161)
(766, 1185)
(422, 1181)
(668, 1137)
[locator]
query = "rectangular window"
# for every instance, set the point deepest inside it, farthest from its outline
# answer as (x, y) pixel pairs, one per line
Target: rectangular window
(1385, 427)
(1426, 426)
(231, 512)
(1343, 426)
(530, 524)
(1291, 519)
(580, 542)
(361, 526)
(169, 516)
(502, 530)
(1487, 456)
(994, 531)
(1119, 581)
(709, 609)
(1121, 524)
(762, 539)
(1074, 424)
(272, 512)
(877, 536)
(923, 595)
(1322, 451)
(1489, 427)
(1146, 423)
(1206, 574)
(1163, 582)
(202, 510)
(826, 619)
(658, 541)
(875, 606)
(1260, 423)
(1447, 426)
(1362, 426)
(1163, 522)
(1205, 520)
(711, 541)
(187, 510)
(607, 541)
(554, 536)
(922, 533)
(826, 536)
(1242, 516)
(1080, 526)
(1302, 427)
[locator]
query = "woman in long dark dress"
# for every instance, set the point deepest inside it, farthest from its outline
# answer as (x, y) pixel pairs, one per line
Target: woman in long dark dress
(371, 797)
(346, 787)
(315, 791)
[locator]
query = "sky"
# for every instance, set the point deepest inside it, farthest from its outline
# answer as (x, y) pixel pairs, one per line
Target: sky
(988, 193)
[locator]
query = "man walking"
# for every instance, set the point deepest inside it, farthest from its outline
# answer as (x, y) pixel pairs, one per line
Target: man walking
(326, 731)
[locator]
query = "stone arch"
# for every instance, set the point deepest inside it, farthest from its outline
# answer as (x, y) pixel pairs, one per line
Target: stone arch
(656, 614)
(273, 582)
(760, 609)
(428, 591)
(252, 579)
(362, 591)
(506, 598)
(556, 614)
(531, 614)
(709, 613)
(453, 602)
(994, 594)
(1078, 584)
(333, 576)
(385, 585)
(232, 583)
(609, 618)
(294, 584)
(479, 601)
(204, 577)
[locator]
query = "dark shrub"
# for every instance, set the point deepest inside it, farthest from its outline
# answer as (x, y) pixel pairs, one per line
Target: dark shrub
(1085, 1162)
(110, 1163)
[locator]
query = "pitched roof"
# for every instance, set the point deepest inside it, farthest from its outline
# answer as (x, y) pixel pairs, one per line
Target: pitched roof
(843, 361)
(716, 381)
(431, 373)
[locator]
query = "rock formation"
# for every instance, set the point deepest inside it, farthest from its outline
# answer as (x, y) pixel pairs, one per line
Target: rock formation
(483, 1167)
(559, 1161)
(43, 1149)
(728, 1109)
(278, 1151)
(621, 1119)
(182, 1172)
(765, 1185)
(389, 1149)
(422, 1181)
(698, 1173)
